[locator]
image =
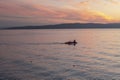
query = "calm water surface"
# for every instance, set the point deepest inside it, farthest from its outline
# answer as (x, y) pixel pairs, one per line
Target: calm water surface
(40, 54)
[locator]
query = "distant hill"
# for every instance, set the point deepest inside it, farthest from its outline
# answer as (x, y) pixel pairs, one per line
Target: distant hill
(70, 26)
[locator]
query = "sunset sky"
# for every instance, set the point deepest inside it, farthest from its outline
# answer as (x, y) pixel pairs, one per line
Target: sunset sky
(44, 12)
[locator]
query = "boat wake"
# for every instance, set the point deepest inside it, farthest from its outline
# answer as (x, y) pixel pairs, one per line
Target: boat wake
(54, 43)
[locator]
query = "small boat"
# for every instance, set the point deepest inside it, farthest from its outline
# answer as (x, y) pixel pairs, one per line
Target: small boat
(71, 42)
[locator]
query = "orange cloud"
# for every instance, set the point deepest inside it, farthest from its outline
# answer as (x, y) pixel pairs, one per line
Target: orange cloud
(87, 16)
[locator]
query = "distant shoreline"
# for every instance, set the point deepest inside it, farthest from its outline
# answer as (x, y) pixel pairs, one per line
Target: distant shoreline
(70, 26)
(59, 28)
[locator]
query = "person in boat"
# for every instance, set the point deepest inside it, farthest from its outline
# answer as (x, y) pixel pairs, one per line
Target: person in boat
(74, 41)
(71, 42)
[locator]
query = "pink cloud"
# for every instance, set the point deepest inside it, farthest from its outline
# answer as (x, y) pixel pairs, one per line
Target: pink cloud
(37, 13)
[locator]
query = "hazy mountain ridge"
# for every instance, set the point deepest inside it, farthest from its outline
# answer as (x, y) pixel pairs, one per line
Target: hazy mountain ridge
(70, 26)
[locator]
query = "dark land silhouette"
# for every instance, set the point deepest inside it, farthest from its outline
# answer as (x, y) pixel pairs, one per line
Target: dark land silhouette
(70, 26)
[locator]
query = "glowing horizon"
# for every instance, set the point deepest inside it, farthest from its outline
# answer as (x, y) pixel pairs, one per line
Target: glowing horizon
(43, 12)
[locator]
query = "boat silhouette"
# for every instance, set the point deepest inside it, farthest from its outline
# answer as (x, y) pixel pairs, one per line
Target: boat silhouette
(71, 42)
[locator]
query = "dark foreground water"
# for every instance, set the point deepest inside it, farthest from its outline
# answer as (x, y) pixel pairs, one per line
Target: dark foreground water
(40, 54)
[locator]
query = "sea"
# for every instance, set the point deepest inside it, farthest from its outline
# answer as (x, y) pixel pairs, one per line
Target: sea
(40, 54)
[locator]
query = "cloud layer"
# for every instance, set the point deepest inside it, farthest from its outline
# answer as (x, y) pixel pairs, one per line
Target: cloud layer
(22, 12)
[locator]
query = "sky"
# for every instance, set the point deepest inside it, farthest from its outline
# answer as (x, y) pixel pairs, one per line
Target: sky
(45, 12)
